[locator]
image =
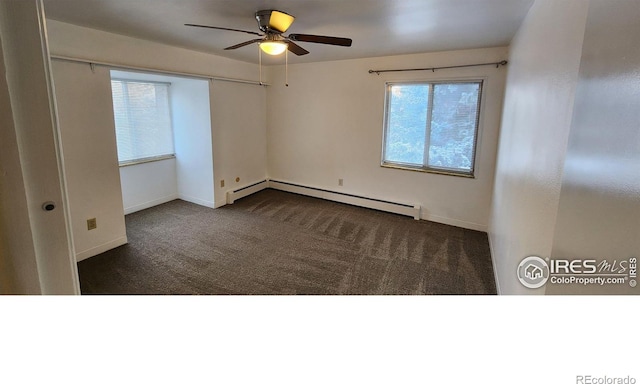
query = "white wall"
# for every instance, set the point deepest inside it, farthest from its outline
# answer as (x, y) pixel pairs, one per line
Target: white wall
(599, 209)
(148, 184)
(38, 174)
(238, 119)
(18, 267)
(542, 76)
(90, 156)
(328, 125)
(191, 115)
(237, 111)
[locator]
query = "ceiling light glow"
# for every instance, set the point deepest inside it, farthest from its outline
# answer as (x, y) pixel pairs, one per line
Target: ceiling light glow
(273, 47)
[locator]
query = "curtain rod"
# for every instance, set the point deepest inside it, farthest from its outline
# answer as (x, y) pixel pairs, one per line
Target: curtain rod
(433, 69)
(160, 71)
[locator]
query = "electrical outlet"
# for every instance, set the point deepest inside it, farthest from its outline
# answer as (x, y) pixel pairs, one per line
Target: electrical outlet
(340, 182)
(221, 183)
(92, 224)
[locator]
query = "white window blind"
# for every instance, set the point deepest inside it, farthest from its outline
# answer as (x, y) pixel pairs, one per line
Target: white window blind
(143, 120)
(432, 126)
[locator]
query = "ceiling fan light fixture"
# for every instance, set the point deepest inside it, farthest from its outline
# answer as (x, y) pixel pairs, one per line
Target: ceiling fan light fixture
(273, 47)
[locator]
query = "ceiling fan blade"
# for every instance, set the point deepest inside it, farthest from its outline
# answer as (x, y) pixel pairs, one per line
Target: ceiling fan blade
(341, 41)
(242, 44)
(224, 29)
(280, 21)
(296, 49)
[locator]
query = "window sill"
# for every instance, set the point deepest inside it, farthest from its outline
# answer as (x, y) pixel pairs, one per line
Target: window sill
(468, 175)
(145, 160)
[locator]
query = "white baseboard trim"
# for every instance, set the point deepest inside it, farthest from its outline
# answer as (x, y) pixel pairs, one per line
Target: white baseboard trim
(150, 204)
(245, 191)
(454, 222)
(101, 248)
(493, 263)
(196, 200)
(405, 209)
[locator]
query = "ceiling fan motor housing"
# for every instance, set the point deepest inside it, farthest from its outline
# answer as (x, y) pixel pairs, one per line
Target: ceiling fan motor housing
(262, 17)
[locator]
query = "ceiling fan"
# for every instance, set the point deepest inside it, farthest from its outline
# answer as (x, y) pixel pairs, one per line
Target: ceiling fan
(273, 24)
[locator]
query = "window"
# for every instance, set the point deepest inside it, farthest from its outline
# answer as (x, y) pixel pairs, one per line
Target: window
(432, 127)
(143, 120)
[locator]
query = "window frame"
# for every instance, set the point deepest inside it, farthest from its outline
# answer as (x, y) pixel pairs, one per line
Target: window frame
(425, 167)
(148, 159)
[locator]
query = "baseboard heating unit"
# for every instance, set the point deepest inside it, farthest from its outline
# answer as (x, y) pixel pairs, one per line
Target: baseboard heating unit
(405, 209)
(234, 195)
(360, 201)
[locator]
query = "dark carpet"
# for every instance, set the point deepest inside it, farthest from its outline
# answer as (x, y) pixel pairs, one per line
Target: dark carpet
(275, 242)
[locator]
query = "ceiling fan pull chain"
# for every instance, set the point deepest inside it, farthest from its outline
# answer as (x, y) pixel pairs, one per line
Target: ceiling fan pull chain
(286, 68)
(260, 62)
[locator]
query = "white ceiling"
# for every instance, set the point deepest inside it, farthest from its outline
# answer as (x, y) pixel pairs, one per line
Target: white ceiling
(377, 27)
